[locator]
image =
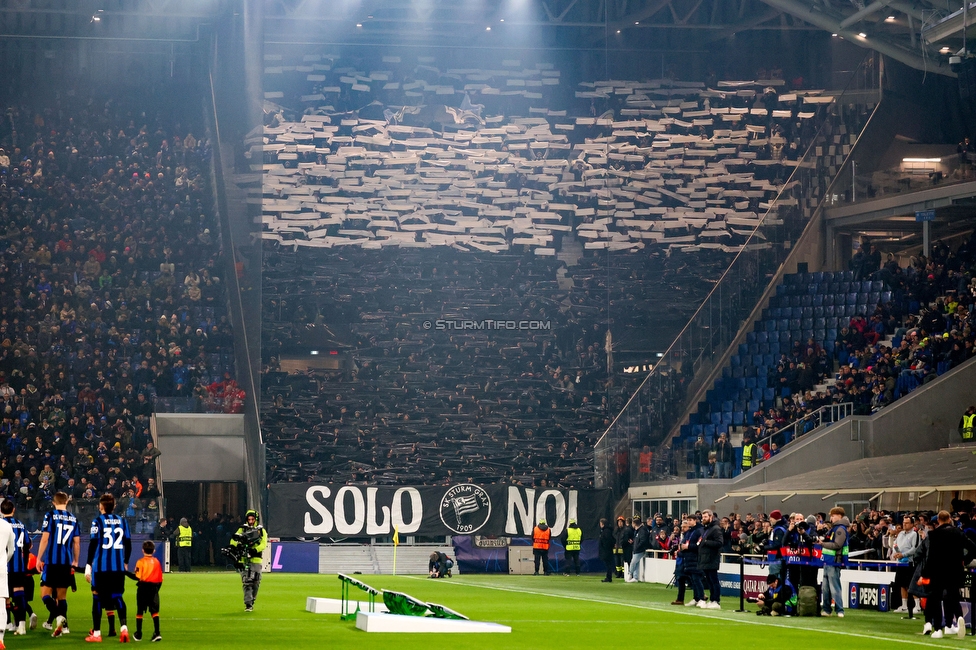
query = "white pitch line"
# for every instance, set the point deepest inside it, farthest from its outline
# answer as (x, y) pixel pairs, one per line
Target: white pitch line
(702, 613)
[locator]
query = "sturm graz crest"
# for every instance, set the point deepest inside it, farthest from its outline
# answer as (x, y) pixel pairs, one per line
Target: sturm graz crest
(465, 508)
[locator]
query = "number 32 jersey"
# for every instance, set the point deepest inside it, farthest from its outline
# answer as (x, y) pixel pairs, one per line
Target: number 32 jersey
(111, 543)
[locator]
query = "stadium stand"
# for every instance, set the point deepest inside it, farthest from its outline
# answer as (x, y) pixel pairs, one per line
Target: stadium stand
(868, 343)
(111, 305)
(380, 212)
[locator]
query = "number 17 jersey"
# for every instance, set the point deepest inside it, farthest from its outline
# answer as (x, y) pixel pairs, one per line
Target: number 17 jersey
(112, 543)
(62, 529)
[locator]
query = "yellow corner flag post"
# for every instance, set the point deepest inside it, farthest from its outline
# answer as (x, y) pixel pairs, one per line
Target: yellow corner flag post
(396, 542)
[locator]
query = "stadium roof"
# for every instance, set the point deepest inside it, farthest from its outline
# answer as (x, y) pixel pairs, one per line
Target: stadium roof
(926, 472)
(919, 33)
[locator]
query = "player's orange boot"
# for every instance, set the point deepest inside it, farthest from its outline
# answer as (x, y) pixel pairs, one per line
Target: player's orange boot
(91, 638)
(124, 634)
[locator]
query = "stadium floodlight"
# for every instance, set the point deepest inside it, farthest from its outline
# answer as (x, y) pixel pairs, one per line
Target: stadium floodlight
(97, 16)
(862, 35)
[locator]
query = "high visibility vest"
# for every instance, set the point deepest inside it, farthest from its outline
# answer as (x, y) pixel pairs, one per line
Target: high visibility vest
(833, 557)
(573, 537)
(185, 536)
(540, 538)
(967, 426)
(645, 462)
(748, 454)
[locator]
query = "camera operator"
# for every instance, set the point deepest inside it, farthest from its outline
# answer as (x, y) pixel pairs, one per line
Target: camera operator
(779, 599)
(799, 541)
(439, 565)
(247, 545)
(775, 543)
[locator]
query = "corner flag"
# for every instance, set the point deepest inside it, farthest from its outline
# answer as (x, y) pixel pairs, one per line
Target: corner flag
(396, 542)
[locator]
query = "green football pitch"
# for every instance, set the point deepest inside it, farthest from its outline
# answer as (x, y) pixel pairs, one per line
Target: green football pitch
(205, 610)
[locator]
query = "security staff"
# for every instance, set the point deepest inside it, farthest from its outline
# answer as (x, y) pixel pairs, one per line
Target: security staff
(255, 539)
(966, 423)
(750, 453)
(540, 546)
(184, 545)
(573, 541)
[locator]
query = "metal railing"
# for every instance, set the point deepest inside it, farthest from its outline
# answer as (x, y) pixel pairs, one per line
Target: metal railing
(686, 462)
(655, 407)
(812, 421)
(863, 185)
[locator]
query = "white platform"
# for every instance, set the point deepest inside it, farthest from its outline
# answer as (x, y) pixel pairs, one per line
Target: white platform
(334, 605)
(395, 623)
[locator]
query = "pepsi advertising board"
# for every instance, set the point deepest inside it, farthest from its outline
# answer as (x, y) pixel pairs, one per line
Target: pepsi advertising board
(866, 596)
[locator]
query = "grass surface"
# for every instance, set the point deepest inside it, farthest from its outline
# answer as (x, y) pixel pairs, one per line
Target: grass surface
(205, 610)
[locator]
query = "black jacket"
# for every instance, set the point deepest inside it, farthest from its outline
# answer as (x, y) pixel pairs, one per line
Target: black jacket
(624, 537)
(642, 539)
(606, 543)
(710, 547)
(948, 547)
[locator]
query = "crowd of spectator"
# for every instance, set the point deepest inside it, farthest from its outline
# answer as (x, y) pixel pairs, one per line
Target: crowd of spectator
(925, 330)
(110, 294)
(652, 168)
(661, 164)
(871, 534)
(417, 405)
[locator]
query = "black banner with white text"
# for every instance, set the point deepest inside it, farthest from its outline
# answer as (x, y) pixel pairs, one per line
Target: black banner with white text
(310, 510)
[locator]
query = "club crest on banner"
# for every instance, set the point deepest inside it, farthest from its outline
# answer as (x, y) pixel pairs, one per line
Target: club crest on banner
(465, 508)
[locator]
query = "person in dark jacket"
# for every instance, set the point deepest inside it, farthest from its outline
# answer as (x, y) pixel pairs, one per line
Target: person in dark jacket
(642, 544)
(686, 565)
(779, 598)
(623, 547)
(949, 549)
(606, 548)
(439, 565)
(709, 557)
(724, 455)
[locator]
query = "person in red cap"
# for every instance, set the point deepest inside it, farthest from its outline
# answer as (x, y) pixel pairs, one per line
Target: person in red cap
(774, 545)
